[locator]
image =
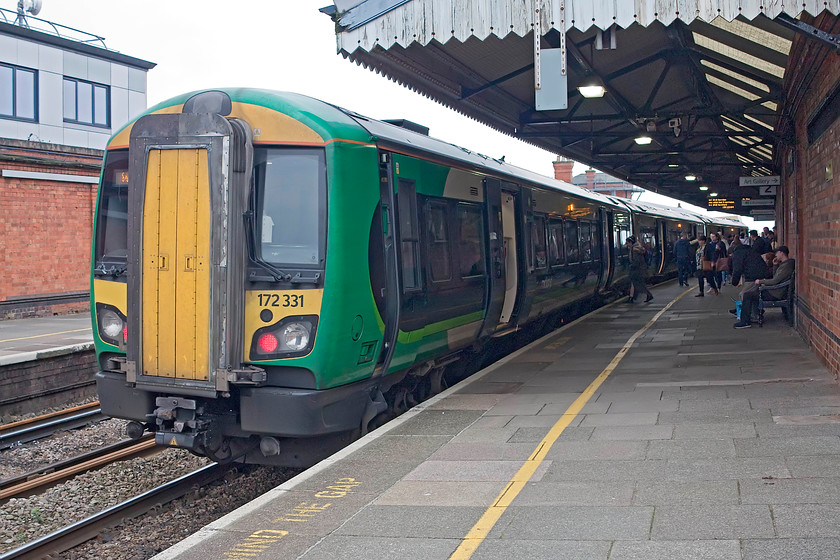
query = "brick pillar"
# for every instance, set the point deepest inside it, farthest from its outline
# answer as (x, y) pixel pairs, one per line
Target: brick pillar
(563, 169)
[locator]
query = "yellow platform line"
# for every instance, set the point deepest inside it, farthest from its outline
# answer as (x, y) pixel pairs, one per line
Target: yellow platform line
(42, 335)
(476, 535)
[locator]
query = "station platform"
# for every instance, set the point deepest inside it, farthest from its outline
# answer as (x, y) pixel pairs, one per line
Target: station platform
(24, 340)
(45, 362)
(641, 431)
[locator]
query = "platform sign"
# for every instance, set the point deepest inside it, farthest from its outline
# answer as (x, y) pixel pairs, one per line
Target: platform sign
(768, 180)
(758, 202)
(768, 190)
(720, 203)
(763, 214)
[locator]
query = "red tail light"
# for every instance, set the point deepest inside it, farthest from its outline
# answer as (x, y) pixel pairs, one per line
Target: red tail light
(268, 343)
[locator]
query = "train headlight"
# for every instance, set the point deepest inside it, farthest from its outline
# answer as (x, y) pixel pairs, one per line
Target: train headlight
(292, 337)
(112, 325)
(296, 336)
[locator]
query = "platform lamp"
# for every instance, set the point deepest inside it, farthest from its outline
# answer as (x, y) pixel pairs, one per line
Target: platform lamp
(591, 87)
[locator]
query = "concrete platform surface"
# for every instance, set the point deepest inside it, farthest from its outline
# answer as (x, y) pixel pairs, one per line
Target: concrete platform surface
(23, 340)
(643, 431)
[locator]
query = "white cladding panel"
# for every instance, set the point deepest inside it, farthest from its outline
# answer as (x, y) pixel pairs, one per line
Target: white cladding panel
(424, 20)
(53, 64)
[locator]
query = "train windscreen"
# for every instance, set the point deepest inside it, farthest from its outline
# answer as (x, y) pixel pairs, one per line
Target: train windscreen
(290, 189)
(111, 237)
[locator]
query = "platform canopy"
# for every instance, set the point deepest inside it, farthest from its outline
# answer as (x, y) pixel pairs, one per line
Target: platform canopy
(702, 79)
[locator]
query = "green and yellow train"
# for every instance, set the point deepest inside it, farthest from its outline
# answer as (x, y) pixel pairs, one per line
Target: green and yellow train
(271, 272)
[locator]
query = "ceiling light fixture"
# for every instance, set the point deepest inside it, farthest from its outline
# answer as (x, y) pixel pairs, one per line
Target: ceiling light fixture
(591, 91)
(704, 188)
(643, 140)
(712, 194)
(691, 177)
(591, 86)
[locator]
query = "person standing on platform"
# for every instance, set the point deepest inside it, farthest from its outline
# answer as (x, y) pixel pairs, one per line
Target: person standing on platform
(759, 244)
(682, 253)
(720, 253)
(749, 266)
(638, 269)
(706, 257)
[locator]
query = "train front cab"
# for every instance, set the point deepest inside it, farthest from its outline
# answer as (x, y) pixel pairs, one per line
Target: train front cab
(194, 324)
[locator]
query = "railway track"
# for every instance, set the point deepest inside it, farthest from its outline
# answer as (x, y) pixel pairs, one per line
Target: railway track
(36, 480)
(31, 429)
(75, 534)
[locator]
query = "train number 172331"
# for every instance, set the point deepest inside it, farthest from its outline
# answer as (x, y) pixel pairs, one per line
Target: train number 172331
(281, 300)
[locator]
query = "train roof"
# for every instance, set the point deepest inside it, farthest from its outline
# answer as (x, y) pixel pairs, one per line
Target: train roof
(731, 221)
(331, 122)
(660, 210)
(397, 136)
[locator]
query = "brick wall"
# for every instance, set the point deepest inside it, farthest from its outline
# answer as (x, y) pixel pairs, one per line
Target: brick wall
(810, 200)
(45, 228)
(54, 381)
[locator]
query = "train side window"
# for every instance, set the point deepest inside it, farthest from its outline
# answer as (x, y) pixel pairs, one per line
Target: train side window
(571, 235)
(585, 241)
(409, 237)
(471, 248)
(556, 251)
(538, 241)
(438, 236)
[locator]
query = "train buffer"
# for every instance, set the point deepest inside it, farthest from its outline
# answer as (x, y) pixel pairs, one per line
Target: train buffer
(641, 431)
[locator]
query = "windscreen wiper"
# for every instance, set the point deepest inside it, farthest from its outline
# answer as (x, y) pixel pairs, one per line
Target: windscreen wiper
(277, 275)
(114, 270)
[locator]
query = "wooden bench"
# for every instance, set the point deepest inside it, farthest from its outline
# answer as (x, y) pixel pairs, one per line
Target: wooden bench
(786, 304)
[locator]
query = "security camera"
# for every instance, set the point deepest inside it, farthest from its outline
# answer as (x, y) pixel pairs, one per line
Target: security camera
(675, 122)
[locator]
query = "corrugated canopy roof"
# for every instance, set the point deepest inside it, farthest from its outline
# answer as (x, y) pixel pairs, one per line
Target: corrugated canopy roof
(703, 79)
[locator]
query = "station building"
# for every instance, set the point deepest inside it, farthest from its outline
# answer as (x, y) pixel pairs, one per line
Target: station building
(62, 94)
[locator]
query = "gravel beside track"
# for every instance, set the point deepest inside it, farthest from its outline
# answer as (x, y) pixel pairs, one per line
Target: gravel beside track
(25, 519)
(143, 537)
(59, 447)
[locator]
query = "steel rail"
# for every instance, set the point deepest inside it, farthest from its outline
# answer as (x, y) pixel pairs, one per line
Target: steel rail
(42, 426)
(27, 421)
(27, 483)
(86, 529)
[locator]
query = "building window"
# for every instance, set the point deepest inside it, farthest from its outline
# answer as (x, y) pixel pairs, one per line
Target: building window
(18, 93)
(86, 103)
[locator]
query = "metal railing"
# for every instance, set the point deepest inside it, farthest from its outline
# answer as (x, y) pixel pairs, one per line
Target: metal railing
(50, 28)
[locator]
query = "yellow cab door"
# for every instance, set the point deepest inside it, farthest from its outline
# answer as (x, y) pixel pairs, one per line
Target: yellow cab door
(176, 267)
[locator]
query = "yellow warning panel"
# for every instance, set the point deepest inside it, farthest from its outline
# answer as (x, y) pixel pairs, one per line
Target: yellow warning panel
(175, 264)
(278, 304)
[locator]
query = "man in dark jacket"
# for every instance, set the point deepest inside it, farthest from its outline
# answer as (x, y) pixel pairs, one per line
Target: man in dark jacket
(759, 244)
(682, 253)
(750, 298)
(747, 263)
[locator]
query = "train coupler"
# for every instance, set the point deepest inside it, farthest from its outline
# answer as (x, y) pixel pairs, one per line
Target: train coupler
(177, 423)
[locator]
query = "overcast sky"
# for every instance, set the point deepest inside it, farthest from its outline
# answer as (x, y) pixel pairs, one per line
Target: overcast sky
(276, 44)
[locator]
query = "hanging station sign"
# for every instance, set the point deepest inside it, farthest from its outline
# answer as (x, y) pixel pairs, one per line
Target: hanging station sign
(758, 202)
(720, 203)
